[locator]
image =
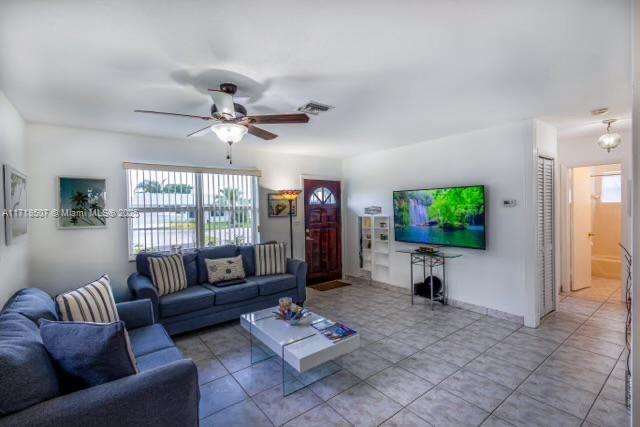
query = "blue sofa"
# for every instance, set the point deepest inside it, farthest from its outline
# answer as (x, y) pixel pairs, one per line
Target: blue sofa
(164, 393)
(202, 304)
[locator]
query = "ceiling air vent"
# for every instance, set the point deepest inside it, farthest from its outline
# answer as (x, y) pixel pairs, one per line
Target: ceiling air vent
(315, 108)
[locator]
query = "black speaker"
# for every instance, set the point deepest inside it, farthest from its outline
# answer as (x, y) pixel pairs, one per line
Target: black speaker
(423, 289)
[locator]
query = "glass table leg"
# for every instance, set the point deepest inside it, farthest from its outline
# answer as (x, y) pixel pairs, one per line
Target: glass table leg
(293, 381)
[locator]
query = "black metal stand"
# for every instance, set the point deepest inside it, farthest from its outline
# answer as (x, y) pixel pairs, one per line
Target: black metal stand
(431, 261)
(291, 226)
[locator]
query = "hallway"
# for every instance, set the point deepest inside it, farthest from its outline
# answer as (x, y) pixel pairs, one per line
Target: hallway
(602, 290)
(599, 317)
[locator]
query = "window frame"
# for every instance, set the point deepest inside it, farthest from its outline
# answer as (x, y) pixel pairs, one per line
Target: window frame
(618, 193)
(247, 178)
(328, 198)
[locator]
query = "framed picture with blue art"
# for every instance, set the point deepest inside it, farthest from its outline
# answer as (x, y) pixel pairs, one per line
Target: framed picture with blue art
(81, 202)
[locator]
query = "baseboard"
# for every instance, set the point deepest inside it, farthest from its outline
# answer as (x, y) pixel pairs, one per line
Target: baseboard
(452, 302)
(491, 312)
(381, 285)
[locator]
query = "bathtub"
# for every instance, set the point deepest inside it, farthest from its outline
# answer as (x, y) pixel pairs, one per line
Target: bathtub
(606, 266)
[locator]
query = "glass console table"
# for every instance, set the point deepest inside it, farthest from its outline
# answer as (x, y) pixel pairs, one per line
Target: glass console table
(430, 260)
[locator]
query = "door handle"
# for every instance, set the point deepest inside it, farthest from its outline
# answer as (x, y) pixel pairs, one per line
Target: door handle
(591, 234)
(306, 236)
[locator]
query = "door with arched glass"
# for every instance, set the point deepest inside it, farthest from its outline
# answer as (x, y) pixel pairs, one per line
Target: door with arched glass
(323, 248)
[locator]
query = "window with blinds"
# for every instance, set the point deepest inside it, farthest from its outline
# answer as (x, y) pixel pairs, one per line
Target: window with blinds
(184, 207)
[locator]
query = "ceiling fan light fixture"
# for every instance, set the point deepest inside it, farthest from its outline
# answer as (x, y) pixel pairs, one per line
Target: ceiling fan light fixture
(609, 141)
(229, 132)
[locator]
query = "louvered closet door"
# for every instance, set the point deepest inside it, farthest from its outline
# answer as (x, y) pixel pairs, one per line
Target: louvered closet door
(545, 265)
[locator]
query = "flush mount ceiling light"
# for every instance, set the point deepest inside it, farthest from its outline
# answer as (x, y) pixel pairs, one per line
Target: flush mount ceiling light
(609, 141)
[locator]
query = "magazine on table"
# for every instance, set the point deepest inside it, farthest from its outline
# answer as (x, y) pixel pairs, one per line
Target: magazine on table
(333, 330)
(323, 324)
(337, 332)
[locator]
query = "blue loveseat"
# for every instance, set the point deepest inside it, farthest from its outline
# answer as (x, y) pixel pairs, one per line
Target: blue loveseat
(202, 304)
(164, 393)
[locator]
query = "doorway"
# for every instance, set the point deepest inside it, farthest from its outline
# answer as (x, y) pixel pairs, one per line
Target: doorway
(595, 208)
(323, 230)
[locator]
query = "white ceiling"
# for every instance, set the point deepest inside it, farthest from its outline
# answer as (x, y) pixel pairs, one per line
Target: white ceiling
(593, 129)
(397, 72)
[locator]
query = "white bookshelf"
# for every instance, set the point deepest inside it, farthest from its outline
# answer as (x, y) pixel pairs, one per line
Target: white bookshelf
(375, 247)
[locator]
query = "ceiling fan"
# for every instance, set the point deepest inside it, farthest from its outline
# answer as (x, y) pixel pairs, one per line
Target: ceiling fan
(229, 120)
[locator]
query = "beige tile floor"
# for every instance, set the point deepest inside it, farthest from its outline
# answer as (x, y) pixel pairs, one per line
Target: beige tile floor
(418, 367)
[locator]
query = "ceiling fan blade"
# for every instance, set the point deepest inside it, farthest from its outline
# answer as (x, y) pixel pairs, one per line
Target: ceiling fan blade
(224, 103)
(201, 132)
(279, 118)
(261, 133)
(174, 114)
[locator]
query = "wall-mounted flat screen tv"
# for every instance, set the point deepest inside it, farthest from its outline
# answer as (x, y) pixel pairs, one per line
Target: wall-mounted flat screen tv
(451, 216)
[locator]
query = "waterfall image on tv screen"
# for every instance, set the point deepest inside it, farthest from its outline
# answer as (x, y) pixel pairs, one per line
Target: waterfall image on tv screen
(451, 216)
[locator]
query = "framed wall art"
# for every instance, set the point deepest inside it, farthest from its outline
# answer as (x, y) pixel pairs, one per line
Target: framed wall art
(279, 206)
(81, 202)
(15, 203)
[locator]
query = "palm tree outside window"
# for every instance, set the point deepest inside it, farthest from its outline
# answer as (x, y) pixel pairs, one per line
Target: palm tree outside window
(180, 210)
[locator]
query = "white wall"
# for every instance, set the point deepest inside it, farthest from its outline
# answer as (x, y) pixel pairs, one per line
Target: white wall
(13, 259)
(583, 150)
(64, 259)
(499, 158)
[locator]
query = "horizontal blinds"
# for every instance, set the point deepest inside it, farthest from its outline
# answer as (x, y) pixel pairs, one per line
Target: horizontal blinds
(192, 169)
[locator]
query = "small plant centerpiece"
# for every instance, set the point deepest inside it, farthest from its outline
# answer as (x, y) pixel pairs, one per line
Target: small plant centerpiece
(291, 313)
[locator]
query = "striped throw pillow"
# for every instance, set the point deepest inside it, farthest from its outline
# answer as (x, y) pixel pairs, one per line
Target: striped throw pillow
(91, 303)
(271, 259)
(168, 274)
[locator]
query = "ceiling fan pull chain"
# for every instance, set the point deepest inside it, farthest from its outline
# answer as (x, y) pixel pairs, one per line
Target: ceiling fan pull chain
(229, 152)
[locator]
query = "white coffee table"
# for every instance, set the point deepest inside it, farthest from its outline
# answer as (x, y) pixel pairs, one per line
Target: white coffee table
(301, 346)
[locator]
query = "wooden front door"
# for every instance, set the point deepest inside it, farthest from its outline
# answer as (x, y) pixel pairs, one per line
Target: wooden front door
(323, 230)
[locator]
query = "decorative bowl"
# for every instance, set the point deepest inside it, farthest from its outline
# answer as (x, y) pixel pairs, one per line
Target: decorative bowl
(304, 320)
(293, 315)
